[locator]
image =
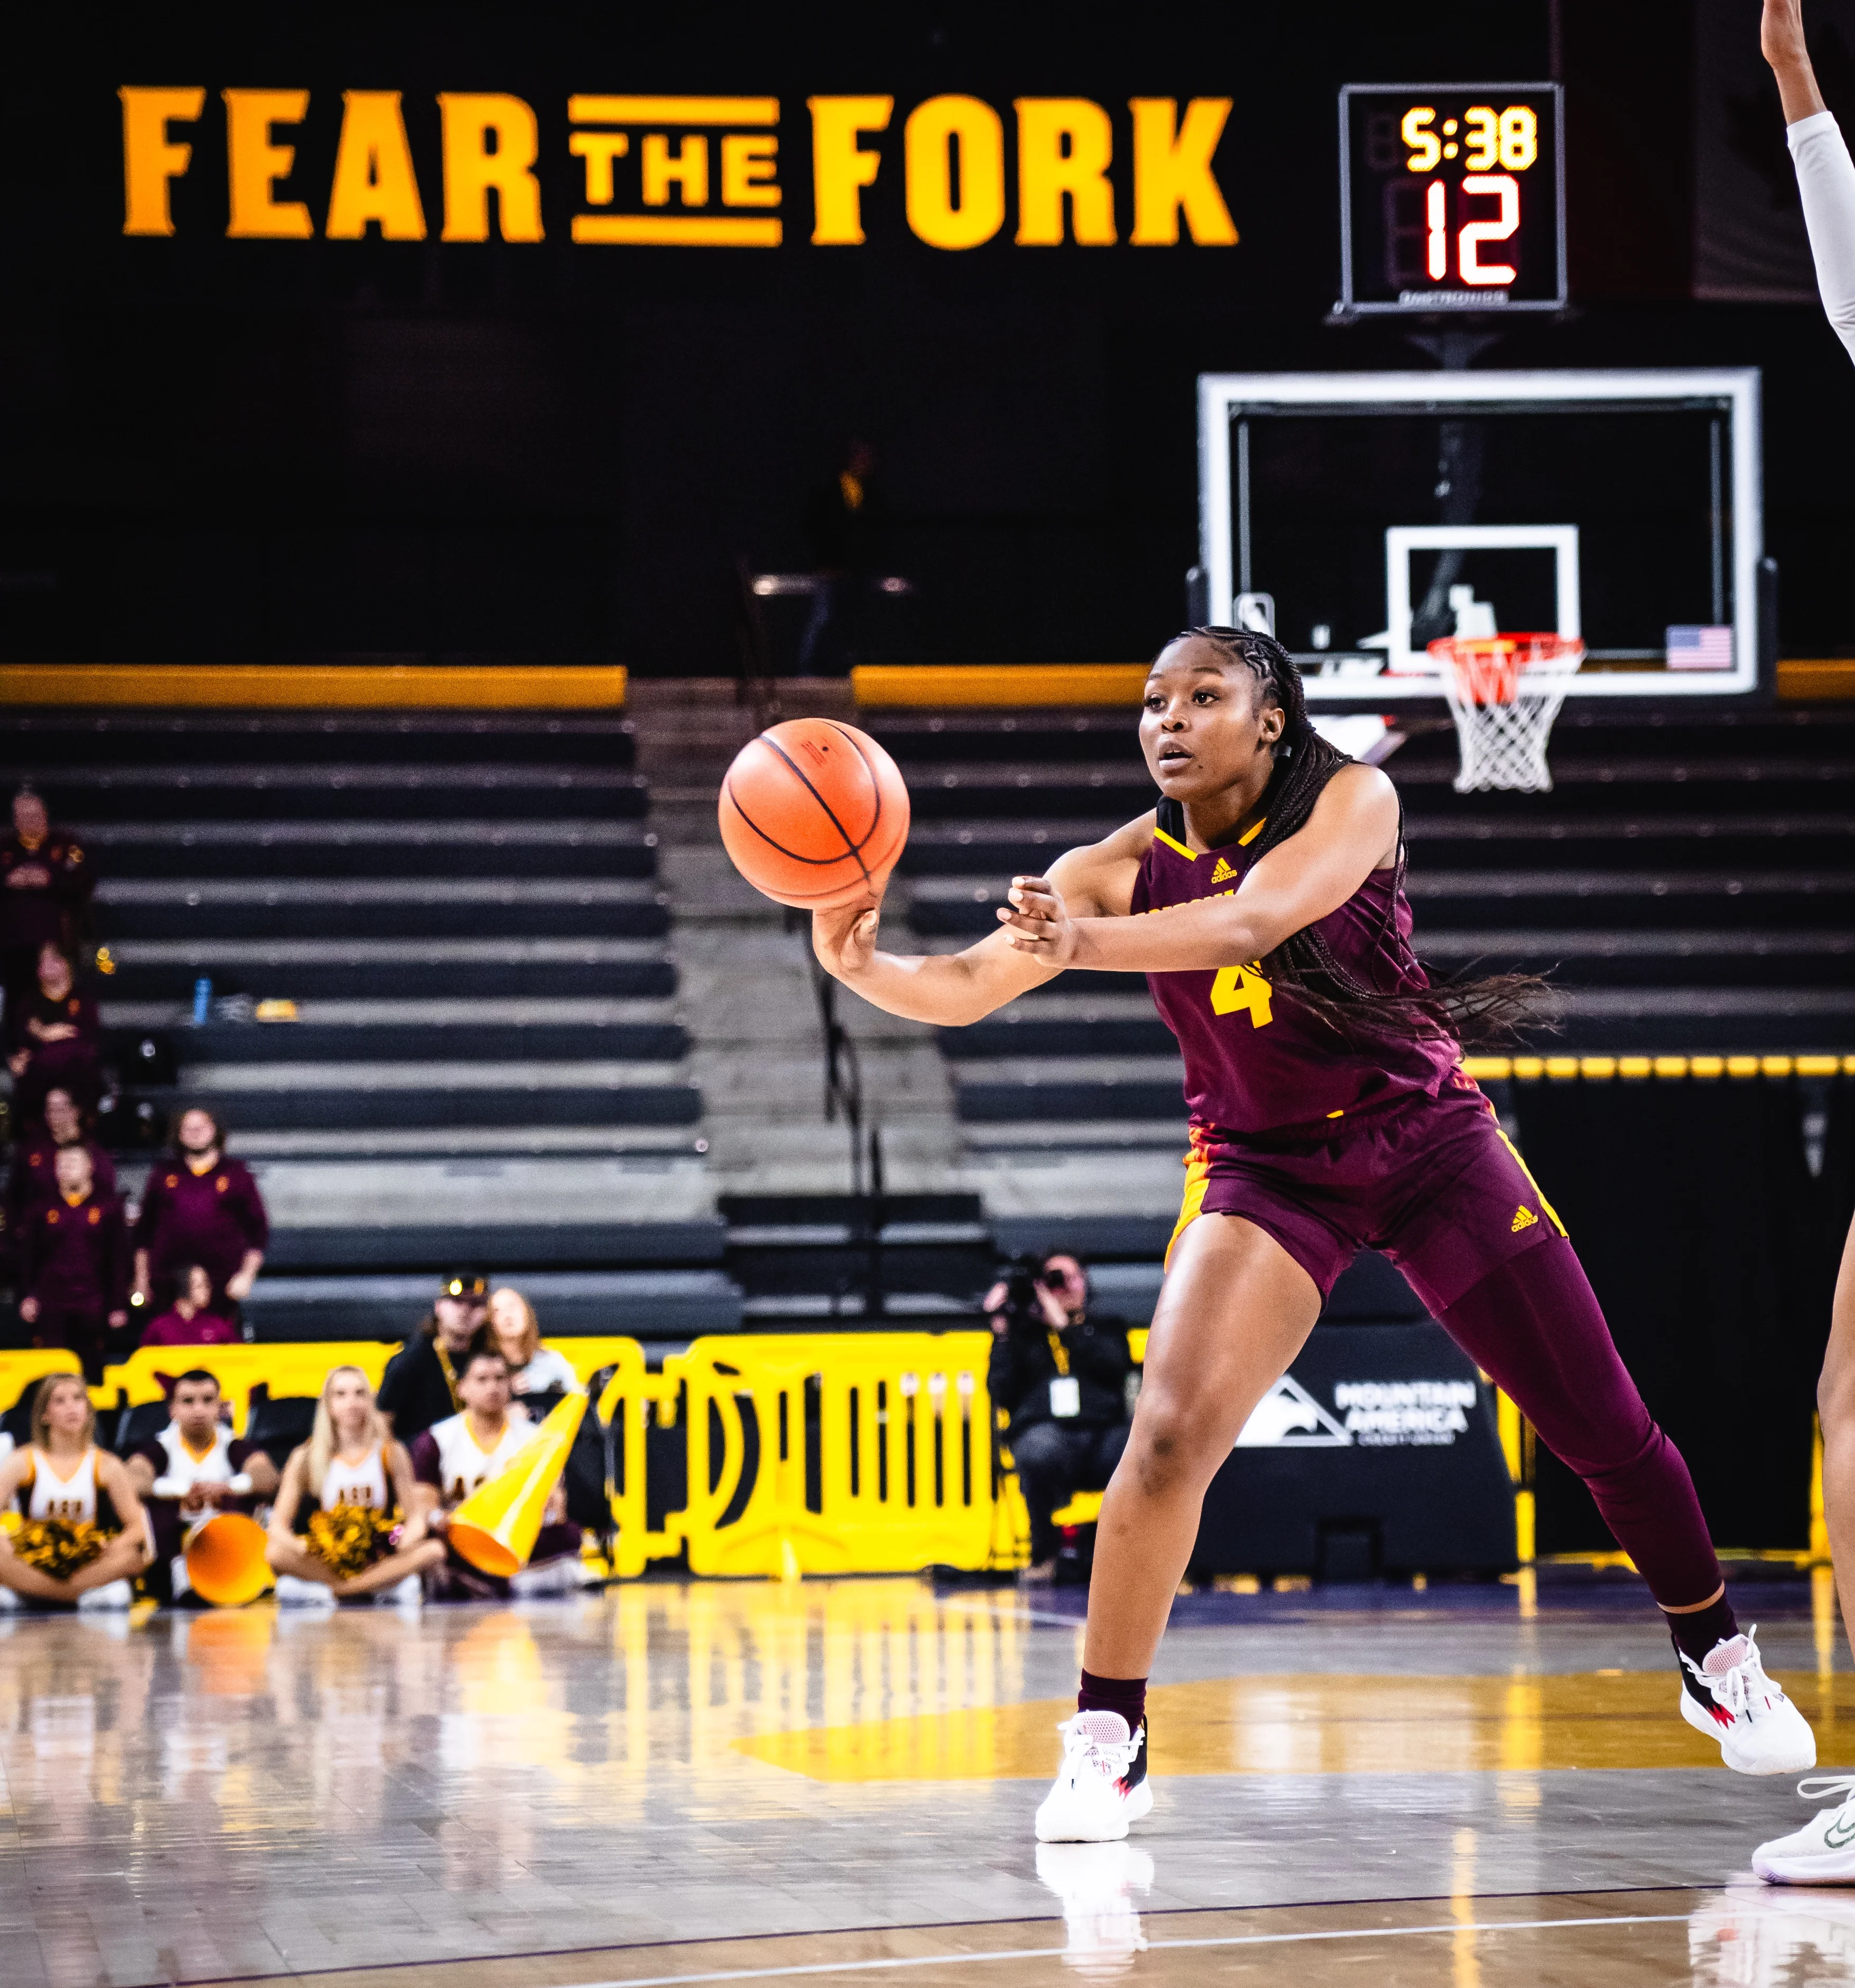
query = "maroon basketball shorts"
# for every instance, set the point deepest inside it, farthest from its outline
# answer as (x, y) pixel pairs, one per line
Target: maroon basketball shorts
(1434, 1184)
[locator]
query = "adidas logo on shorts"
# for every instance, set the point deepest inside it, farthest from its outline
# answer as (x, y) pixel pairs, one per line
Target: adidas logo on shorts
(1524, 1218)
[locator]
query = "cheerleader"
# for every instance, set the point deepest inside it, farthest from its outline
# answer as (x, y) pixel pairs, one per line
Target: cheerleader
(62, 1551)
(194, 1470)
(358, 1483)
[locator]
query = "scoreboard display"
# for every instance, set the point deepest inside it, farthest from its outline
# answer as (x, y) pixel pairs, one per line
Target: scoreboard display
(1451, 197)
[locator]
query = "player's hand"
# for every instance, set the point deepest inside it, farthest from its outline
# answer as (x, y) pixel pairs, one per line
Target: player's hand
(1037, 922)
(28, 1310)
(1781, 33)
(845, 939)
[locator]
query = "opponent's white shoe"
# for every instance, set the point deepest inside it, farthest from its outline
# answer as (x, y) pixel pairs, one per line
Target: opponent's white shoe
(1823, 1852)
(1729, 1698)
(1102, 1785)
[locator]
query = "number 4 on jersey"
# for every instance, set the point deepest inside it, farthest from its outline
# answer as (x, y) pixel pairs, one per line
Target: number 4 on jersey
(1242, 989)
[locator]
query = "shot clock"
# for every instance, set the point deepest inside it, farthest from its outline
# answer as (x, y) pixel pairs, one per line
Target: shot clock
(1451, 197)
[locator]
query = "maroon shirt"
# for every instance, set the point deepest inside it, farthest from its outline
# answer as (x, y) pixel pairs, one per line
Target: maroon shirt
(1257, 1061)
(31, 914)
(72, 1010)
(211, 1219)
(204, 1328)
(77, 1258)
(32, 1186)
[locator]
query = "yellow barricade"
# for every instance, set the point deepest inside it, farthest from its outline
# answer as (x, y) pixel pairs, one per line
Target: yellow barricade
(281, 1369)
(632, 1401)
(837, 1453)
(18, 1372)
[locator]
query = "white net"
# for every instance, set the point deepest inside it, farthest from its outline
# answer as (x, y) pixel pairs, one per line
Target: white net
(1504, 691)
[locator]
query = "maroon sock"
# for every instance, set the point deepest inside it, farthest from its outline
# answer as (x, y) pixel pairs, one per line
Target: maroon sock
(1697, 1633)
(1126, 1695)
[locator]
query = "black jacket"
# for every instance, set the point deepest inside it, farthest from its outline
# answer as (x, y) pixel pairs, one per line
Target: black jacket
(1024, 1363)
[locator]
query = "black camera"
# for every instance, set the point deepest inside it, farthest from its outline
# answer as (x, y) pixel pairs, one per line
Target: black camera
(1022, 1311)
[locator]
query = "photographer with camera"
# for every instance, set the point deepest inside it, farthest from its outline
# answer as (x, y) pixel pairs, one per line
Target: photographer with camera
(1062, 1375)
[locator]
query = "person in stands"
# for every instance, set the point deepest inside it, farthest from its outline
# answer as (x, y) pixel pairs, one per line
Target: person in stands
(461, 1455)
(30, 1185)
(59, 1483)
(44, 895)
(195, 1468)
(1061, 1376)
(74, 1267)
(351, 1484)
(533, 1368)
(55, 1039)
(200, 1207)
(420, 1387)
(190, 1320)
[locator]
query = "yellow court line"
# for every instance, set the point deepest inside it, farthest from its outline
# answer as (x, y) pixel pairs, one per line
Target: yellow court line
(586, 109)
(901, 686)
(315, 687)
(1307, 1723)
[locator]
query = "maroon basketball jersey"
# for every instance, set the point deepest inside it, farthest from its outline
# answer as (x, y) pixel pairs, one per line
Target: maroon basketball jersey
(1257, 1061)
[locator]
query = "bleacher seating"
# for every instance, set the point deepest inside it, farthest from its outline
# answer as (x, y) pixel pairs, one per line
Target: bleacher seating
(486, 1064)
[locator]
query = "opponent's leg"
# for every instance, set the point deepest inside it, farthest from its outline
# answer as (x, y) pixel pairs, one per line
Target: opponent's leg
(1822, 1852)
(1234, 1311)
(1535, 1324)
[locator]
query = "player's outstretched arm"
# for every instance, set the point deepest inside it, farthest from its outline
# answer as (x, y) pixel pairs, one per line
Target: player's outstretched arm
(1352, 832)
(1825, 177)
(1781, 37)
(951, 989)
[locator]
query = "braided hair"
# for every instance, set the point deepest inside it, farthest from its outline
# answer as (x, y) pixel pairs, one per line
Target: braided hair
(1489, 1010)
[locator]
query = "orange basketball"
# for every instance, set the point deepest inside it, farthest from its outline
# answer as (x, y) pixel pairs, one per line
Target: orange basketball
(814, 814)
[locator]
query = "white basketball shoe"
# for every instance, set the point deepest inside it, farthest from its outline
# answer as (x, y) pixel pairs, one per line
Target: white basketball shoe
(1102, 1785)
(1729, 1698)
(1823, 1852)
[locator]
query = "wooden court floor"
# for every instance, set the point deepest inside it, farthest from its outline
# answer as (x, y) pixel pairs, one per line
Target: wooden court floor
(744, 1782)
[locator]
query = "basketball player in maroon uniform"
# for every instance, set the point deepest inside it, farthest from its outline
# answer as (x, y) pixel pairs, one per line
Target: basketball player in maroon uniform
(1263, 898)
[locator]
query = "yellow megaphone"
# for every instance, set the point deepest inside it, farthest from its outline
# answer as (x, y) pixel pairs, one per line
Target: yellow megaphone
(225, 1561)
(495, 1528)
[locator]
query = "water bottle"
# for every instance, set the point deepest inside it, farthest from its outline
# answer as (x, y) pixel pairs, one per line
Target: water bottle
(202, 1003)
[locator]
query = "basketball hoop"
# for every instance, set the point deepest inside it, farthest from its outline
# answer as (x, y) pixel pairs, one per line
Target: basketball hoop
(1504, 691)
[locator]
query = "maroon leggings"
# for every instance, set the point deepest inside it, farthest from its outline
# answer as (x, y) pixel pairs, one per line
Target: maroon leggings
(1535, 1325)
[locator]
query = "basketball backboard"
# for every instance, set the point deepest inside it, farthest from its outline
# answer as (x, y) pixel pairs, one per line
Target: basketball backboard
(1378, 511)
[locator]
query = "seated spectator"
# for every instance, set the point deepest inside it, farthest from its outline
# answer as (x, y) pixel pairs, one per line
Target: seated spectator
(193, 1470)
(1061, 1376)
(533, 1368)
(45, 892)
(461, 1455)
(56, 1040)
(190, 1320)
(66, 1550)
(73, 1265)
(420, 1386)
(351, 1487)
(200, 1207)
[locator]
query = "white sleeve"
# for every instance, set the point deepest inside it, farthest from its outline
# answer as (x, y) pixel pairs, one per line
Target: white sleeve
(1825, 177)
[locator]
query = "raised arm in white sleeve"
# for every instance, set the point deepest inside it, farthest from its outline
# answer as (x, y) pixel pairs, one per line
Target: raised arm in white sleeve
(1825, 177)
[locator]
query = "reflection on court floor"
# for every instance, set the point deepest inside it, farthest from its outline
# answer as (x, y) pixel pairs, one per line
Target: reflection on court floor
(673, 1782)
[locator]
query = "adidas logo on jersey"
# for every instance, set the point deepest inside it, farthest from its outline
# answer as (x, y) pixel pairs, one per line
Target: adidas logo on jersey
(1524, 1218)
(1223, 873)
